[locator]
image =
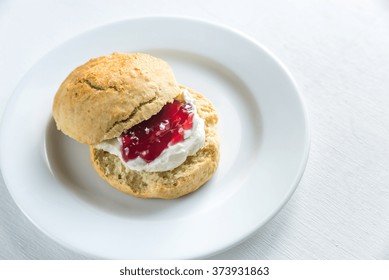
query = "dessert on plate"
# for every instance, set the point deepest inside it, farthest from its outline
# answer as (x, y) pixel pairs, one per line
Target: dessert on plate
(149, 136)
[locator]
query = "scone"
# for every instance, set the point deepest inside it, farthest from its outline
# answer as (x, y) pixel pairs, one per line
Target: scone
(148, 136)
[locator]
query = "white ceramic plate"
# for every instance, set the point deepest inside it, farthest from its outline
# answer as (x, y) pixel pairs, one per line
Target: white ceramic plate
(264, 146)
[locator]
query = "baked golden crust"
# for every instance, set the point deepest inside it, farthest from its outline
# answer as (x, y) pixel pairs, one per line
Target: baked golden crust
(109, 94)
(186, 178)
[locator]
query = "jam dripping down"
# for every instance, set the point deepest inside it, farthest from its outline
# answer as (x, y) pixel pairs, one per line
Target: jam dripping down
(149, 138)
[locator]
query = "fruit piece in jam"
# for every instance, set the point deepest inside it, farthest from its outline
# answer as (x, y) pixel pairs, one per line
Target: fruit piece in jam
(149, 138)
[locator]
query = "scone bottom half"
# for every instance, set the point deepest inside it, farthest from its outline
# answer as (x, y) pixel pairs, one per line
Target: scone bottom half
(186, 178)
(108, 95)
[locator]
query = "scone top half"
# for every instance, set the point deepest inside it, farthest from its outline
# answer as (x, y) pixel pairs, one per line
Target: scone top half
(107, 95)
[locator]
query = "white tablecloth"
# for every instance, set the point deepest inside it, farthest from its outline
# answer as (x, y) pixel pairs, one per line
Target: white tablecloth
(338, 52)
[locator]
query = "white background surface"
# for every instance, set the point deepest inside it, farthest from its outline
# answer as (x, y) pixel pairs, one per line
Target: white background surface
(338, 52)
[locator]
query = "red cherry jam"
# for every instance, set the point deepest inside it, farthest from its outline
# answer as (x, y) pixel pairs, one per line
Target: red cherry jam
(149, 138)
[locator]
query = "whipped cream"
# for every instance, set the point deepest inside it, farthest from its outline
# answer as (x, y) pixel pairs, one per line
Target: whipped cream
(173, 155)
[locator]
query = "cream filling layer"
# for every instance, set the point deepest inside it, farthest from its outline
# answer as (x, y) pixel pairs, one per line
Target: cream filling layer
(173, 156)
